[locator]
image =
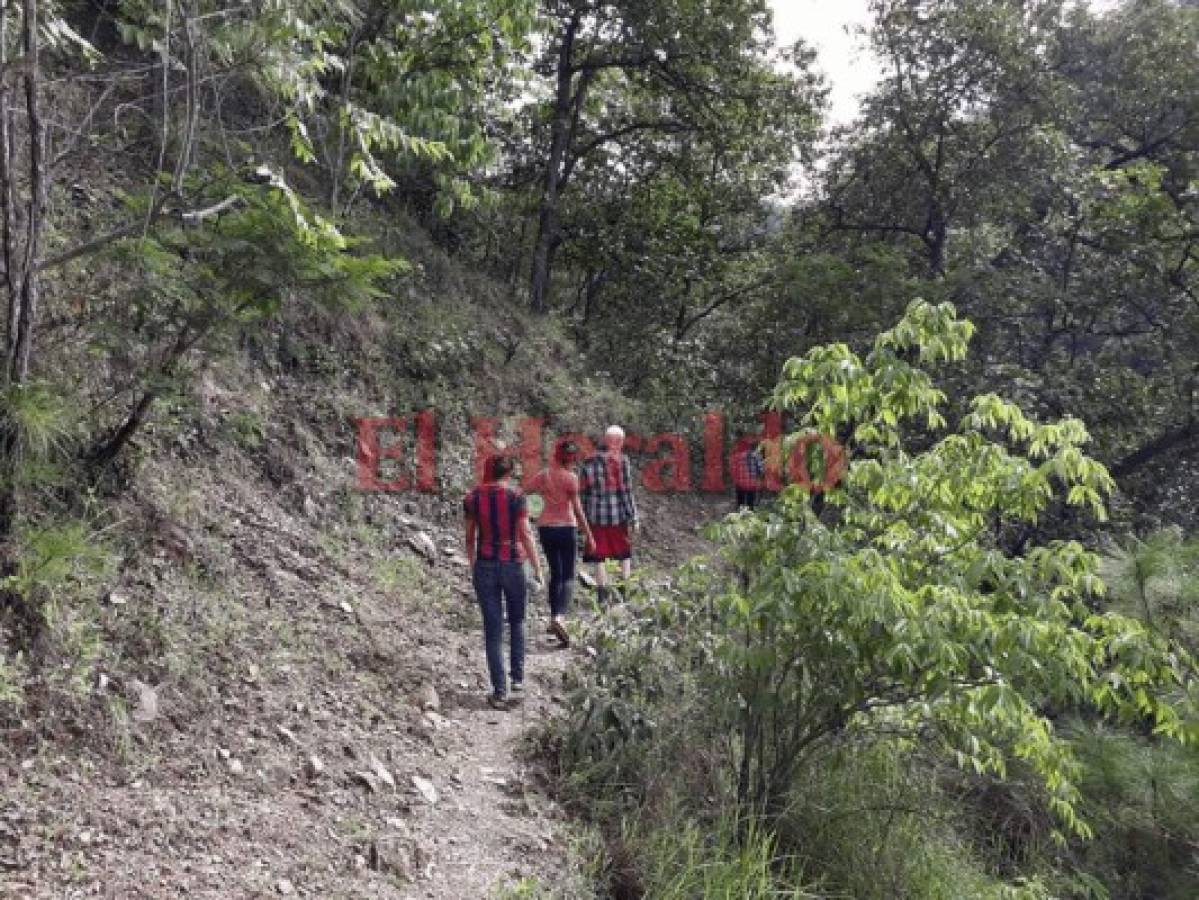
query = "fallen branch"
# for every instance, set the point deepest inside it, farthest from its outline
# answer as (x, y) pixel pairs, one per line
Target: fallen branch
(190, 217)
(210, 212)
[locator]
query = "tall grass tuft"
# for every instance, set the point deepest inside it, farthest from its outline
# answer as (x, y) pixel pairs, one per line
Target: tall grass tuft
(50, 619)
(40, 420)
(719, 862)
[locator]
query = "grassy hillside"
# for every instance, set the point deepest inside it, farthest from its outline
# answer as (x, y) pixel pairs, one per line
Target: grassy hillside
(239, 637)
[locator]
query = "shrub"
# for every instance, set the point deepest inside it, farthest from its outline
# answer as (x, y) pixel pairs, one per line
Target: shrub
(49, 619)
(906, 607)
(875, 823)
(837, 649)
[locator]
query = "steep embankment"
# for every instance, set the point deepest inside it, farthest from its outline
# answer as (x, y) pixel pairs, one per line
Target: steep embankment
(320, 730)
(327, 738)
(287, 697)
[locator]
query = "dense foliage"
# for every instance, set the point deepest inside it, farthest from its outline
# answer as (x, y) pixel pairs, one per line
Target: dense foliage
(911, 623)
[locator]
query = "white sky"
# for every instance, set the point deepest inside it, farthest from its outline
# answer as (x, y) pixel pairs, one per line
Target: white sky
(827, 25)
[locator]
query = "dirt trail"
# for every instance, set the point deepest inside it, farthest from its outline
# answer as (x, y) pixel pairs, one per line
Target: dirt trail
(324, 735)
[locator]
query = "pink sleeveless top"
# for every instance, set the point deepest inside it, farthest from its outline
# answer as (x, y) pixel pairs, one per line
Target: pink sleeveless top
(557, 487)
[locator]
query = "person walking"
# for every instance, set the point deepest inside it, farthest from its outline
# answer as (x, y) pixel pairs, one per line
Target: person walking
(557, 529)
(498, 541)
(749, 473)
(606, 489)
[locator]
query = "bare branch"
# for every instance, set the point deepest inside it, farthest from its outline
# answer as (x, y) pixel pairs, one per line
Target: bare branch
(197, 216)
(190, 217)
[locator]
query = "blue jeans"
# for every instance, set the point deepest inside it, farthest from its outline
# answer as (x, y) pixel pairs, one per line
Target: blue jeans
(558, 541)
(497, 583)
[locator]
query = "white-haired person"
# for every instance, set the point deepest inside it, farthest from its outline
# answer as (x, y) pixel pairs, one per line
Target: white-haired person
(606, 489)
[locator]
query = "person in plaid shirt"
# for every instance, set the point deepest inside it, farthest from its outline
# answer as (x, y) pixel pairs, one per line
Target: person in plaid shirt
(749, 472)
(606, 489)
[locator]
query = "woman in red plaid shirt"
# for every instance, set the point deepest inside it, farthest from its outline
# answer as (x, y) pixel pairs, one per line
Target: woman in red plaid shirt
(606, 489)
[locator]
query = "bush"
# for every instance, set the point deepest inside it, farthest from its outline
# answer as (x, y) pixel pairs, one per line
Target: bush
(50, 616)
(876, 822)
(841, 660)
(904, 608)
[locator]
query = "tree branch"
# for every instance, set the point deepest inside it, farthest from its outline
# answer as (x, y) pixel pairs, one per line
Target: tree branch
(103, 240)
(189, 217)
(1160, 445)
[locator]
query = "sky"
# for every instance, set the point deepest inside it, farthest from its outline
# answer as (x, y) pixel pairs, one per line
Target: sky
(827, 25)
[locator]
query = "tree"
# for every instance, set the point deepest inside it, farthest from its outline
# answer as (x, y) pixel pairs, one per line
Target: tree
(635, 83)
(907, 607)
(370, 86)
(23, 194)
(365, 89)
(186, 288)
(1133, 109)
(953, 125)
(662, 258)
(1032, 163)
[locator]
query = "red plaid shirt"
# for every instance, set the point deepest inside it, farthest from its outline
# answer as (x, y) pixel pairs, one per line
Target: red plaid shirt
(606, 489)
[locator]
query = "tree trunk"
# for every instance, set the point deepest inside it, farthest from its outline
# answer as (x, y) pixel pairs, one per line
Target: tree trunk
(28, 300)
(21, 265)
(595, 283)
(103, 456)
(547, 220)
(936, 233)
(339, 158)
(8, 204)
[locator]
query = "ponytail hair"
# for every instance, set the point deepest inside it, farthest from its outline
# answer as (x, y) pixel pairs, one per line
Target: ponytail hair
(566, 452)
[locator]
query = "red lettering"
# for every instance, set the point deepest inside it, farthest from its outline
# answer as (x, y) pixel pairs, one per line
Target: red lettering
(370, 453)
(484, 430)
(834, 467)
(530, 449)
(770, 439)
(426, 451)
(678, 462)
(528, 452)
(713, 452)
(744, 445)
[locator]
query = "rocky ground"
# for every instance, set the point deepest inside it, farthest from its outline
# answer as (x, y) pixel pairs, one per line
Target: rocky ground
(314, 724)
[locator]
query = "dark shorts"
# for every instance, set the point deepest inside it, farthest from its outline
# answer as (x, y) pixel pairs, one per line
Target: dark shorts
(611, 542)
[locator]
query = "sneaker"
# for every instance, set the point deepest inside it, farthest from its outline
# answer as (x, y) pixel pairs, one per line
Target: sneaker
(558, 630)
(497, 701)
(518, 689)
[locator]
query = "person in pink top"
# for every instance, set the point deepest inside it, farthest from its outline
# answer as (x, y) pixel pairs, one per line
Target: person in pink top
(557, 527)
